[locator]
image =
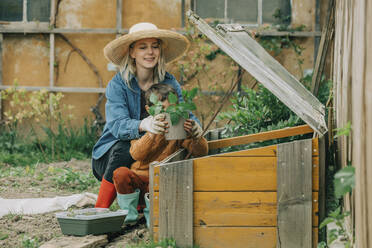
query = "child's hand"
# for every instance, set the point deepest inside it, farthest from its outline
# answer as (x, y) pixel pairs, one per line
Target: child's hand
(192, 128)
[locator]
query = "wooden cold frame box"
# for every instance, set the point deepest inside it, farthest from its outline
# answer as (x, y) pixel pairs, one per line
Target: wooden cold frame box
(262, 197)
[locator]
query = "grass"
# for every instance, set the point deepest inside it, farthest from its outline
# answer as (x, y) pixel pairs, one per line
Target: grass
(29, 242)
(69, 179)
(62, 144)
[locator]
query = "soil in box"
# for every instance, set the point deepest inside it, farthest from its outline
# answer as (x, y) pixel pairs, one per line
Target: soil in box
(90, 221)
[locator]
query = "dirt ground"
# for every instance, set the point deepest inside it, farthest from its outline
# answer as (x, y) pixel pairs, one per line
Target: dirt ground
(42, 181)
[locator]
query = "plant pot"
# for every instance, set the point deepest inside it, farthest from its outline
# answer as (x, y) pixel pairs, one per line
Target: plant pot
(175, 132)
(91, 221)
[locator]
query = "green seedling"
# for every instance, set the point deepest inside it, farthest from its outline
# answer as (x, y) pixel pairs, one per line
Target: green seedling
(3, 236)
(74, 180)
(177, 109)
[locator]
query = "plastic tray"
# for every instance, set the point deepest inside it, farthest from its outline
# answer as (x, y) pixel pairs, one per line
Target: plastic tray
(90, 221)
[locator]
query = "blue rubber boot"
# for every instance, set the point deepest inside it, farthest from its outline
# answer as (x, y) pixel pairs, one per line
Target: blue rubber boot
(129, 202)
(146, 211)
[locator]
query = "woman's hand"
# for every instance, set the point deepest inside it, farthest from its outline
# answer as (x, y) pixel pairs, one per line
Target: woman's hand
(192, 128)
(154, 124)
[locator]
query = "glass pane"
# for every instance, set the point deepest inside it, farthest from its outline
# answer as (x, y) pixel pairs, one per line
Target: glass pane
(210, 9)
(38, 10)
(269, 7)
(242, 11)
(11, 10)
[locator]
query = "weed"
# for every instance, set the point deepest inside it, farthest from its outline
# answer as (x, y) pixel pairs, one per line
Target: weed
(343, 183)
(3, 236)
(74, 180)
(29, 242)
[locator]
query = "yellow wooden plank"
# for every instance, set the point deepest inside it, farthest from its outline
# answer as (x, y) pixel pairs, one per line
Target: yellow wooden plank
(315, 235)
(201, 235)
(267, 151)
(235, 209)
(257, 137)
(244, 237)
(237, 174)
(315, 147)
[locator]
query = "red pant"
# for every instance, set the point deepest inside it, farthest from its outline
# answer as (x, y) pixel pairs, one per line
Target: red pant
(126, 181)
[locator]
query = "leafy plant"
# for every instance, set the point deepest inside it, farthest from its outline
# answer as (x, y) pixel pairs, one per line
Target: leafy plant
(176, 109)
(339, 233)
(74, 180)
(344, 182)
(29, 242)
(256, 111)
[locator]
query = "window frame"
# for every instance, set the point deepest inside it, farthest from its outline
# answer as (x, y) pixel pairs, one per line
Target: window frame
(229, 21)
(24, 23)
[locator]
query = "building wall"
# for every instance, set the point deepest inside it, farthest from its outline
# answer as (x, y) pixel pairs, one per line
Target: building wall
(26, 57)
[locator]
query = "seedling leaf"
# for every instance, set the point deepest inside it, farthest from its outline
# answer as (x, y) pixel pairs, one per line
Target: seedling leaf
(172, 98)
(174, 118)
(154, 98)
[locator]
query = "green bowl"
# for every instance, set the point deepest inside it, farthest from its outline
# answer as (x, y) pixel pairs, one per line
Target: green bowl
(90, 221)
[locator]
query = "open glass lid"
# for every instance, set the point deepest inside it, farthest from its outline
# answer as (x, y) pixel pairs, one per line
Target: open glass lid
(235, 41)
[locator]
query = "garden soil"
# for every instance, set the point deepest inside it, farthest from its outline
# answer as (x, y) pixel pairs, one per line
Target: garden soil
(39, 181)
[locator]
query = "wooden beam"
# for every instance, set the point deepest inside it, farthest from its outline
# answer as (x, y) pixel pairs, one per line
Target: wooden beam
(322, 179)
(294, 182)
(152, 177)
(1, 74)
(176, 202)
(259, 13)
(263, 136)
(325, 40)
(292, 34)
(51, 60)
(26, 30)
(57, 89)
(119, 8)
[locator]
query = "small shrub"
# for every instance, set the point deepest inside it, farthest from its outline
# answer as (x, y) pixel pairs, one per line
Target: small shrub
(256, 111)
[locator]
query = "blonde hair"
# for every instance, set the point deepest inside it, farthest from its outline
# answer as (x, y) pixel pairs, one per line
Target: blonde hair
(127, 67)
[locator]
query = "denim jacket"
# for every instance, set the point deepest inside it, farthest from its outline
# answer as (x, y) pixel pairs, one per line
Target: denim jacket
(123, 108)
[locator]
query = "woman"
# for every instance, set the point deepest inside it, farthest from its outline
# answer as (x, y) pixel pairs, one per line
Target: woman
(141, 56)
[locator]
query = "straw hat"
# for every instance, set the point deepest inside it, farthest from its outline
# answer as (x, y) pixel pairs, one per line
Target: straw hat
(173, 43)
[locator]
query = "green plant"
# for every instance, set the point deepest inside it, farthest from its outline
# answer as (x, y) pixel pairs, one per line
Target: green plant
(339, 233)
(344, 182)
(68, 179)
(256, 111)
(176, 109)
(3, 236)
(29, 242)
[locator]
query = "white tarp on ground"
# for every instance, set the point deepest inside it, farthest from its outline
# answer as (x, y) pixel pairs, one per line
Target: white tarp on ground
(45, 205)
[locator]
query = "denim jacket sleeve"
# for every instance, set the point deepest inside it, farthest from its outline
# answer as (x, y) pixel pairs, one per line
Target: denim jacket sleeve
(118, 115)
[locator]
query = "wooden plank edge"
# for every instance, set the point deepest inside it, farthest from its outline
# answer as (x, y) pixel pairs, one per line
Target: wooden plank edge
(258, 137)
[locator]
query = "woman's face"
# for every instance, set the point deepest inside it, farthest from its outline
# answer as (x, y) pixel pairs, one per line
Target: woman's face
(146, 52)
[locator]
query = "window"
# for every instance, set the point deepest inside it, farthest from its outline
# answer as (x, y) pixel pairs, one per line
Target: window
(24, 11)
(250, 12)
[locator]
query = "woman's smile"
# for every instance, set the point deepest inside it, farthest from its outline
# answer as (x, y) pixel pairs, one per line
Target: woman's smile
(146, 52)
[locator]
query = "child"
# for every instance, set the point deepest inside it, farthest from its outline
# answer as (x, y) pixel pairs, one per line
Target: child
(132, 184)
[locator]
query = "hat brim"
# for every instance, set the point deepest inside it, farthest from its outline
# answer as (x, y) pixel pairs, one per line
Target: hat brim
(174, 44)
